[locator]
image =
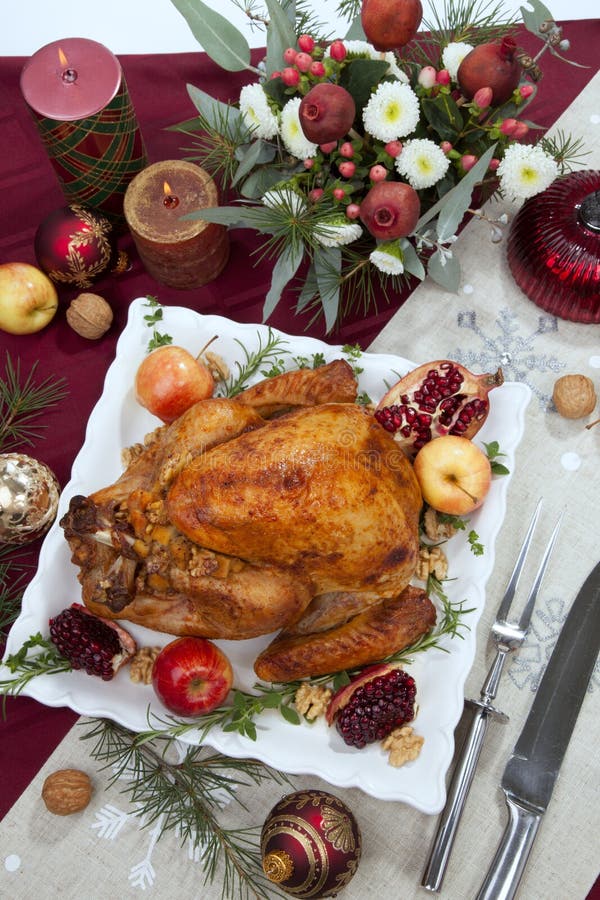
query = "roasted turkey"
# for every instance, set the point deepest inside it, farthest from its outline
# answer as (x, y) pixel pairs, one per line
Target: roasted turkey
(288, 508)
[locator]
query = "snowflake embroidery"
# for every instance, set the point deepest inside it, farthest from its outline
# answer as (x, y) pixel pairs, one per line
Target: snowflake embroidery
(513, 352)
(529, 664)
(110, 820)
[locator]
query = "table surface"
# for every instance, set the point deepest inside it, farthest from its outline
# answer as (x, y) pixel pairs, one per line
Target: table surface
(421, 325)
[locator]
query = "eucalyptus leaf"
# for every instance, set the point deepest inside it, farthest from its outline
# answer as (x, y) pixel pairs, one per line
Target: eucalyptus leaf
(253, 154)
(280, 35)
(458, 200)
(535, 16)
(283, 271)
(328, 266)
(220, 39)
(214, 111)
(469, 181)
(190, 126)
(355, 32)
(309, 290)
(446, 275)
(412, 263)
(232, 216)
(259, 182)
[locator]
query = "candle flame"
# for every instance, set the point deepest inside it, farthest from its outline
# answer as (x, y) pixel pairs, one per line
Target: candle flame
(166, 188)
(62, 58)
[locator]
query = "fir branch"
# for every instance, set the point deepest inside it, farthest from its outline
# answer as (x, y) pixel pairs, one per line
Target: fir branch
(186, 795)
(216, 144)
(13, 580)
(566, 150)
(266, 352)
(22, 400)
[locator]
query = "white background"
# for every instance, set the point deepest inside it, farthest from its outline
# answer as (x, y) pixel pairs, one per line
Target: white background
(155, 26)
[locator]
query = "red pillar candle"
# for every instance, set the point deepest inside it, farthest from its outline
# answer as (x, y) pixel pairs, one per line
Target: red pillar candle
(177, 252)
(77, 95)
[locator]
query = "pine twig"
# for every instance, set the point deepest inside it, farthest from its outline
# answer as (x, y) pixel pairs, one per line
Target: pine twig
(22, 400)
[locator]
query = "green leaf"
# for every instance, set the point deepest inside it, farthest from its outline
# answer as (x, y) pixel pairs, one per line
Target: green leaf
(271, 700)
(360, 76)
(251, 155)
(328, 266)
(215, 112)
(309, 290)
(355, 32)
(453, 205)
(285, 268)
(232, 216)
(498, 468)
(289, 714)
(250, 730)
(410, 258)
(447, 275)
(443, 115)
(220, 39)
(533, 18)
(280, 35)
(259, 182)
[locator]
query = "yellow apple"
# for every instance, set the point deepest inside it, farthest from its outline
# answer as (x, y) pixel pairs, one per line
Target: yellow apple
(28, 299)
(454, 474)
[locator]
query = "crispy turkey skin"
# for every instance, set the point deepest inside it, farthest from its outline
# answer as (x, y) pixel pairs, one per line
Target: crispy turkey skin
(228, 524)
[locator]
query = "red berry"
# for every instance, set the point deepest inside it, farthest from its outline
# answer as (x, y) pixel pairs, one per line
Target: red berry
(308, 163)
(393, 148)
(347, 150)
(353, 210)
(468, 161)
(328, 147)
(378, 173)
(446, 147)
(494, 163)
(443, 76)
(315, 194)
(338, 51)
(289, 55)
(275, 75)
(291, 77)
(521, 129)
(303, 61)
(339, 193)
(306, 43)
(317, 69)
(347, 169)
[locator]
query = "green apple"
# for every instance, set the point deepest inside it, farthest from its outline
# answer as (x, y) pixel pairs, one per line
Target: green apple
(28, 299)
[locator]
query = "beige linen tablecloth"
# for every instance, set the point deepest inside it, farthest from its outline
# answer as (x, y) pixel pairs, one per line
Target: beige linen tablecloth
(104, 852)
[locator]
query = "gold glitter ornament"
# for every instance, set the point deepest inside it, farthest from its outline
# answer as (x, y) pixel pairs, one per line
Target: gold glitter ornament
(29, 493)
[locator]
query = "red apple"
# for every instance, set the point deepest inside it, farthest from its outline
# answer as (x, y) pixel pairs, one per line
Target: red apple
(191, 676)
(28, 299)
(170, 380)
(454, 474)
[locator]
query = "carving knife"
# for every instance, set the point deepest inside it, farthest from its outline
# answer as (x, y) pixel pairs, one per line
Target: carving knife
(533, 767)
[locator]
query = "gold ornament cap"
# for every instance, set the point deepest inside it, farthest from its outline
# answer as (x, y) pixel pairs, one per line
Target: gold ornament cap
(278, 866)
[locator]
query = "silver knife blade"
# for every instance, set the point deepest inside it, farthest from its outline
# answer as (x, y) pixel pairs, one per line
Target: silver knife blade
(531, 772)
(532, 769)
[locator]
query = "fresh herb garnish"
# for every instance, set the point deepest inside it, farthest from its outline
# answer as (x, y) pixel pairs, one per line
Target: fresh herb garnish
(476, 547)
(493, 452)
(48, 661)
(266, 353)
(152, 320)
(353, 352)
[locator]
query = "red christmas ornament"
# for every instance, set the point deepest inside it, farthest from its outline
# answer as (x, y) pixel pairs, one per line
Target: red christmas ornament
(75, 245)
(310, 844)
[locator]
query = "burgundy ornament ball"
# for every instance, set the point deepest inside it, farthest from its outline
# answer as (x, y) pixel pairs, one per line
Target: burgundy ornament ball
(310, 844)
(75, 246)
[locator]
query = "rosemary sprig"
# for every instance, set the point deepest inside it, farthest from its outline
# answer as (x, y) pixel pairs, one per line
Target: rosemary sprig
(185, 794)
(48, 661)
(267, 352)
(22, 399)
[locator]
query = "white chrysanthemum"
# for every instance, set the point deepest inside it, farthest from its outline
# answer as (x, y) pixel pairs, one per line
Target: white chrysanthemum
(294, 138)
(388, 258)
(257, 113)
(526, 170)
(284, 198)
(364, 50)
(392, 112)
(453, 55)
(336, 232)
(422, 162)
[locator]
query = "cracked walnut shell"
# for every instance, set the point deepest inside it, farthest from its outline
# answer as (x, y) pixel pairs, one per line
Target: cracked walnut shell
(67, 791)
(90, 316)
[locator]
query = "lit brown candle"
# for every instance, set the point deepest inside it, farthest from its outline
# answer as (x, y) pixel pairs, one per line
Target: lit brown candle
(178, 252)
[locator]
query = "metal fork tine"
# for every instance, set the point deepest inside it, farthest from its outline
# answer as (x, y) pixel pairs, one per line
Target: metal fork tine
(511, 587)
(528, 609)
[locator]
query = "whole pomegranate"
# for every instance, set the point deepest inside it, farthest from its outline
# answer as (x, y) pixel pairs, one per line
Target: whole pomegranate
(390, 210)
(326, 113)
(435, 399)
(389, 24)
(491, 65)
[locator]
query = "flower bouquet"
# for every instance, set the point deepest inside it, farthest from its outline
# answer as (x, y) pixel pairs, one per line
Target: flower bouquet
(358, 159)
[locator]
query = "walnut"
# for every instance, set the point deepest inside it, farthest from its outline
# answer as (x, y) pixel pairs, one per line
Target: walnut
(432, 561)
(216, 365)
(140, 668)
(90, 316)
(311, 700)
(67, 791)
(574, 396)
(435, 528)
(404, 745)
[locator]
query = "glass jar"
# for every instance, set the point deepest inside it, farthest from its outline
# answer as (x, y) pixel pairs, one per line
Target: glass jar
(554, 247)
